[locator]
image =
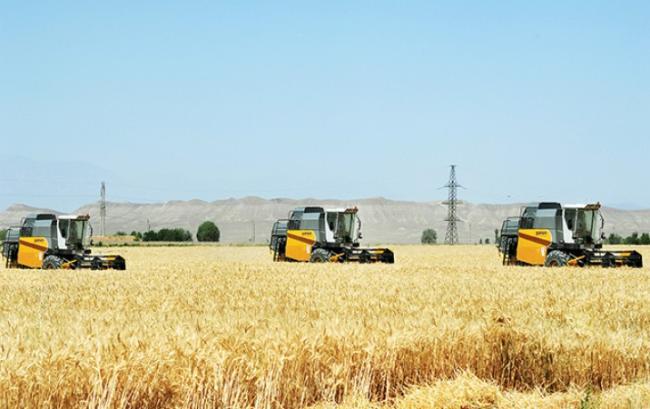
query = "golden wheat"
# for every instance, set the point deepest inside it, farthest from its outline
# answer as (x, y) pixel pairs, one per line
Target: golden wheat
(225, 327)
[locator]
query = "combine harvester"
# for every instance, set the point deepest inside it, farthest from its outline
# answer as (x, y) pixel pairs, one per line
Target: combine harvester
(317, 235)
(47, 241)
(552, 235)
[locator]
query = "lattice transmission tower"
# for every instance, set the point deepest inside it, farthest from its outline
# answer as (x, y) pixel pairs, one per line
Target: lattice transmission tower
(102, 208)
(451, 237)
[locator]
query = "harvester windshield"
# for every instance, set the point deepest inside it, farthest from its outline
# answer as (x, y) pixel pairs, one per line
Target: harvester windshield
(75, 232)
(346, 230)
(586, 223)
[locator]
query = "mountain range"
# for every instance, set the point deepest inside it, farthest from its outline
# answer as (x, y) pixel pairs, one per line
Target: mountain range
(251, 218)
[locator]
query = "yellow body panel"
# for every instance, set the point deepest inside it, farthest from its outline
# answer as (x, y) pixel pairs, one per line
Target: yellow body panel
(299, 244)
(31, 251)
(532, 246)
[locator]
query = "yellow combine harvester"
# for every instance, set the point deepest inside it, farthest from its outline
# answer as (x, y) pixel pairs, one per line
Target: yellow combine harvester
(317, 235)
(552, 235)
(48, 241)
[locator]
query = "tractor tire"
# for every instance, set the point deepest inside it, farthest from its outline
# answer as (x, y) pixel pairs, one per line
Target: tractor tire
(52, 263)
(557, 258)
(320, 256)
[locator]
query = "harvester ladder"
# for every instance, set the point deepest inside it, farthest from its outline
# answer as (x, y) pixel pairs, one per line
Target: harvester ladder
(506, 258)
(508, 251)
(278, 242)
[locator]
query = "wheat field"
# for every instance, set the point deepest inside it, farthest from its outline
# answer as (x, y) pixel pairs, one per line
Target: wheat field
(224, 327)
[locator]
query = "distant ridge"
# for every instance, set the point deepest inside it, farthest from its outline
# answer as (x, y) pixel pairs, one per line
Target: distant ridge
(384, 220)
(14, 213)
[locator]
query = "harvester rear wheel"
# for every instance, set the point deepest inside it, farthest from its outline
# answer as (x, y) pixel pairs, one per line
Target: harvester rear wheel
(320, 256)
(52, 263)
(557, 258)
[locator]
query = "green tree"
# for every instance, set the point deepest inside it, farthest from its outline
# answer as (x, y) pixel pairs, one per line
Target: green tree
(614, 239)
(645, 239)
(150, 236)
(633, 239)
(3, 234)
(172, 235)
(208, 231)
(487, 241)
(429, 236)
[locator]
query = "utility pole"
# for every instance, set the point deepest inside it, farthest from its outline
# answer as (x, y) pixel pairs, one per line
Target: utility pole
(451, 237)
(102, 208)
(253, 224)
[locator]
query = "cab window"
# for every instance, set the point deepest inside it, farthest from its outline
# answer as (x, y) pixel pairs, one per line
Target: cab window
(570, 217)
(310, 221)
(42, 228)
(546, 219)
(63, 228)
(331, 221)
(528, 218)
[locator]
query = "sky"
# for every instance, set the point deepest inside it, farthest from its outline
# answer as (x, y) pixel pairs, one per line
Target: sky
(535, 100)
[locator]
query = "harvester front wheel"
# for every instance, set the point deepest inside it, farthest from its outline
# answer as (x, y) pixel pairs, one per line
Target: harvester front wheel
(52, 263)
(557, 259)
(320, 256)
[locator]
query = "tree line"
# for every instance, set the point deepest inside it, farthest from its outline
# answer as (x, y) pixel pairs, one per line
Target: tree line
(631, 240)
(430, 236)
(207, 232)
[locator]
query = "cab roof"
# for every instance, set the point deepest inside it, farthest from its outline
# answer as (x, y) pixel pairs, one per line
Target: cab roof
(555, 205)
(74, 217)
(317, 209)
(50, 216)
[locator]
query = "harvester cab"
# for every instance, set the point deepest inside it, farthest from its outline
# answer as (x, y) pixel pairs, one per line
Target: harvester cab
(315, 234)
(48, 241)
(553, 235)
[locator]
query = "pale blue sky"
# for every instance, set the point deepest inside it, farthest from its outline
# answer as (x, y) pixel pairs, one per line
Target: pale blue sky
(178, 100)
